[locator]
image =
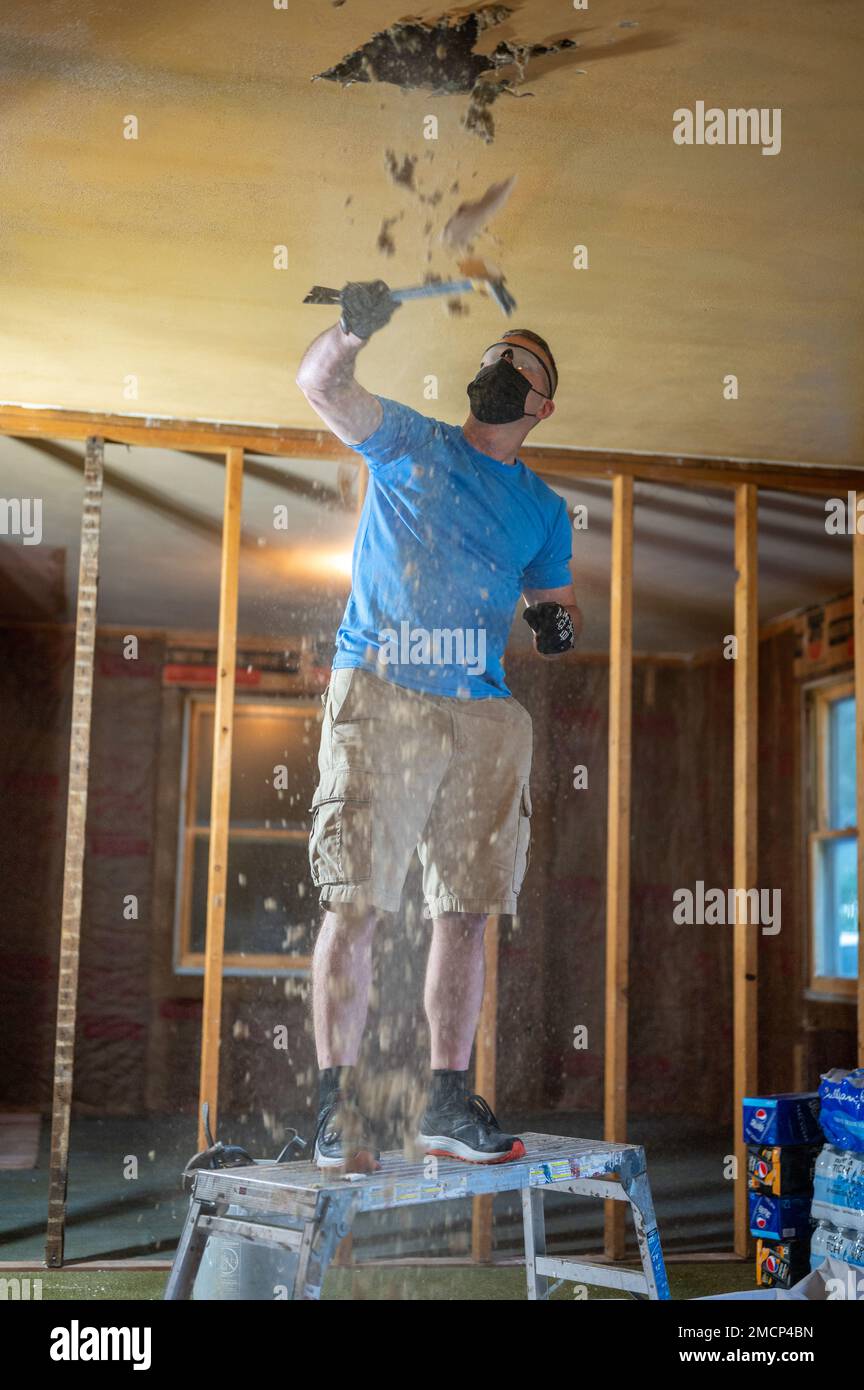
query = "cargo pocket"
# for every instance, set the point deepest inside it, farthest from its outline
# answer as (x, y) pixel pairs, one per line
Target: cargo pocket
(523, 839)
(340, 840)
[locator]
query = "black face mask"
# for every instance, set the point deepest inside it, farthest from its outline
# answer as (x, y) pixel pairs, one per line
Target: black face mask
(498, 394)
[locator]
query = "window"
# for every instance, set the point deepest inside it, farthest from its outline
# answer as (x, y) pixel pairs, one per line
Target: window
(272, 907)
(833, 841)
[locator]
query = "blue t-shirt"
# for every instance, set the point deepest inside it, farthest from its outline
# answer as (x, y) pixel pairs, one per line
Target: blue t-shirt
(448, 539)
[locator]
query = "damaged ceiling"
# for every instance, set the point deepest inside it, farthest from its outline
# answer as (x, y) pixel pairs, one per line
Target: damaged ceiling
(145, 274)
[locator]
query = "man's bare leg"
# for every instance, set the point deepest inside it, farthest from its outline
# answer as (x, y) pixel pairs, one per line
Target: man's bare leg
(453, 1126)
(455, 976)
(341, 977)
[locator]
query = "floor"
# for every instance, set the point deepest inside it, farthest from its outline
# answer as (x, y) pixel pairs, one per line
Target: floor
(388, 1285)
(125, 1200)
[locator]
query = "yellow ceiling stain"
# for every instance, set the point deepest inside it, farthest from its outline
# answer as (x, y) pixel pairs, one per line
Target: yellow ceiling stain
(152, 260)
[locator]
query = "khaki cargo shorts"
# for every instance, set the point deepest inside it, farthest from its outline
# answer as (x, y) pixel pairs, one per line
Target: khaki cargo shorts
(401, 770)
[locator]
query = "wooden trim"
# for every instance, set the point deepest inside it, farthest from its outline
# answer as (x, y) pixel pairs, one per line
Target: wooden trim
(251, 965)
(166, 432)
(858, 614)
(618, 841)
(223, 729)
(485, 1077)
(691, 472)
(73, 866)
(199, 705)
(745, 868)
(846, 991)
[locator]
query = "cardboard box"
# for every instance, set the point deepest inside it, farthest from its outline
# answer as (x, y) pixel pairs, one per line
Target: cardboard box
(792, 1117)
(779, 1218)
(781, 1263)
(783, 1170)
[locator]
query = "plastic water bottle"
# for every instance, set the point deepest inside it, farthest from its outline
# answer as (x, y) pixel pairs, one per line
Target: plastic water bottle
(841, 1242)
(839, 1177)
(819, 1243)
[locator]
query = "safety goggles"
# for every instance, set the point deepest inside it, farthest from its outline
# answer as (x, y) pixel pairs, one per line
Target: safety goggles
(523, 359)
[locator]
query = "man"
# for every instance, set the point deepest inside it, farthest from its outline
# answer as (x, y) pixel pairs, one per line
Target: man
(423, 746)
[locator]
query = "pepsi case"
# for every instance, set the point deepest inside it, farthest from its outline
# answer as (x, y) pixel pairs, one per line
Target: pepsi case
(781, 1170)
(791, 1117)
(781, 1263)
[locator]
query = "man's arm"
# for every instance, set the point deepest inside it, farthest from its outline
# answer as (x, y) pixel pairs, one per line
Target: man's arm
(326, 375)
(326, 378)
(566, 597)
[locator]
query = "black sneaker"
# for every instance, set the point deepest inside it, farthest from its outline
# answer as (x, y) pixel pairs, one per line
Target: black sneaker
(342, 1120)
(466, 1128)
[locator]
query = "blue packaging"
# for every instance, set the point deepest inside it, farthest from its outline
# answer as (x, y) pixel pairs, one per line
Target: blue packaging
(789, 1118)
(842, 1108)
(779, 1218)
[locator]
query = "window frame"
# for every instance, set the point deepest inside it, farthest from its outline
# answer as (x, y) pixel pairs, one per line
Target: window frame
(186, 960)
(819, 696)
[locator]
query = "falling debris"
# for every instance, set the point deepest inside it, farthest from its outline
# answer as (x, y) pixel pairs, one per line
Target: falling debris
(386, 244)
(470, 218)
(401, 173)
(439, 56)
(478, 118)
(457, 308)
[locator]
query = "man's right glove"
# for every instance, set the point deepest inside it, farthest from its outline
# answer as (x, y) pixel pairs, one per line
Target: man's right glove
(366, 307)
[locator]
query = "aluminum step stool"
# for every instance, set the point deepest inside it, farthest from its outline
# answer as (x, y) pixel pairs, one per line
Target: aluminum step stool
(317, 1210)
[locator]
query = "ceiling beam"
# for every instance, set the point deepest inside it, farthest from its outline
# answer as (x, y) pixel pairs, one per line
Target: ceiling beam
(165, 432)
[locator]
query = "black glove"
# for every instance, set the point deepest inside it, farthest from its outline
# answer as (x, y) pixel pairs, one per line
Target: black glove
(553, 626)
(366, 307)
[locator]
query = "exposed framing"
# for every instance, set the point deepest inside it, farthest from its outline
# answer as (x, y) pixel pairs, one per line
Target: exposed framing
(74, 854)
(220, 801)
(163, 432)
(618, 842)
(744, 476)
(485, 1080)
(745, 841)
